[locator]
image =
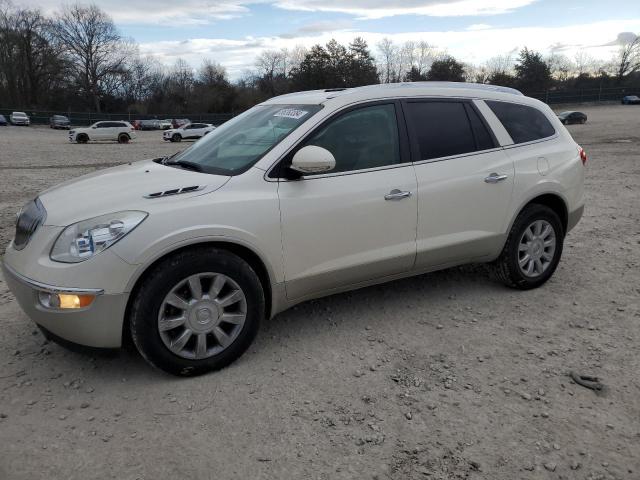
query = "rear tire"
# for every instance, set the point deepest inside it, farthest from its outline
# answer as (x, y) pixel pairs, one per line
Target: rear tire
(203, 315)
(123, 138)
(526, 247)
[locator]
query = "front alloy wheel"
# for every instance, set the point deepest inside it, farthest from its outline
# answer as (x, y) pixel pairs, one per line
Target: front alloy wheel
(202, 315)
(196, 311)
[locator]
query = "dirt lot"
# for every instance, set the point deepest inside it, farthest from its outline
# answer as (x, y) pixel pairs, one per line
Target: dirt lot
(445, 376)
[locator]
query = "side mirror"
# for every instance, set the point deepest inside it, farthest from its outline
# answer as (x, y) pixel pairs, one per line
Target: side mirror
(313, 159)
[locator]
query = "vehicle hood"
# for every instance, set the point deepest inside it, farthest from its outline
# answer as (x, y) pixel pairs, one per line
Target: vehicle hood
(122, 188)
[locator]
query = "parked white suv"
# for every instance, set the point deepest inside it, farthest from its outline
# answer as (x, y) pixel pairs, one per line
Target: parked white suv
(302, 196)
(114, 131)
(19, 118)
(192, 131)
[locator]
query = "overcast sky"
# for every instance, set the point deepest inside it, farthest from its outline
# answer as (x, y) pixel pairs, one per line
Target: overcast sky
(233, 32)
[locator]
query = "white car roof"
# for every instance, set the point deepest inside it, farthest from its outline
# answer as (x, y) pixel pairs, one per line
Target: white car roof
(407, 89)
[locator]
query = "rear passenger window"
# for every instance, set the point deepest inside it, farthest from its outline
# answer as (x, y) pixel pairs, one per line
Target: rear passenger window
(523, 123)
(442, 129)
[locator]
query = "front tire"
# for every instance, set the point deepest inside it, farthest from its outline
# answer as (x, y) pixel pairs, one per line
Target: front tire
(533, 248)
(176, 137)
(123, 138)
(82, 138)
(197, 311)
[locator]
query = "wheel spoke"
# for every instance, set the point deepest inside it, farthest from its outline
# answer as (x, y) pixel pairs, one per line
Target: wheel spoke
(530, 266)
(195, 286)
(523, 247)
(537, 229)
(217, 285)
(179, 343)
(524, 260)
(539, 266)
(230, 299)
(547, 256)
(234, 318)
(546, 231)
(528, 233)
(176, 301)
(223, 339)
(201, 346)
(170, 323)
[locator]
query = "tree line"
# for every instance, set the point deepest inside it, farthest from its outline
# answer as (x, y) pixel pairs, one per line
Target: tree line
(76, 60)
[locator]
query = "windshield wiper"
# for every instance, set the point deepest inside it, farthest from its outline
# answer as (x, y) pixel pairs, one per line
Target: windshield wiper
(187, 165)
(164, 160)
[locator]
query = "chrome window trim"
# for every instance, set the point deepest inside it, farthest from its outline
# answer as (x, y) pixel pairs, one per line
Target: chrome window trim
(44, 287)
(460, 155)
(341, 174)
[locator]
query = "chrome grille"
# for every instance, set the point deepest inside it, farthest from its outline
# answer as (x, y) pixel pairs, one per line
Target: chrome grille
(31, 217)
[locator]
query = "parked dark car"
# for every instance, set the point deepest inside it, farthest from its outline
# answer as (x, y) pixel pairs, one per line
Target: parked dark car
(149, 124)
(3, 121)
(179, 122)
(631, 100)
(568, 118)
(59, 121)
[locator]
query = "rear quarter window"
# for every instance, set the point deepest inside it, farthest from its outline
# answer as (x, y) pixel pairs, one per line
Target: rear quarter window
(523, 123)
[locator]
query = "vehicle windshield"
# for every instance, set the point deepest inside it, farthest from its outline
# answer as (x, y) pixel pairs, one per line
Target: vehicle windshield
(236, 145)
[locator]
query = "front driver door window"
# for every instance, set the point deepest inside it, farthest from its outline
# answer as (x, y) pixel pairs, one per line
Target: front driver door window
(342, 228)
(361, 139)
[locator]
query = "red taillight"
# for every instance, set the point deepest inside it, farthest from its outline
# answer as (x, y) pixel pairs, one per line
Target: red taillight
(583, 155)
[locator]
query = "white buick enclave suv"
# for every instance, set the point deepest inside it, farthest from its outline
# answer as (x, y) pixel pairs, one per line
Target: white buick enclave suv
(302, 196)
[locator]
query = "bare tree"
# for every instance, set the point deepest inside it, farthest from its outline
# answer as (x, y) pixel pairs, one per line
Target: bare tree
(271, 63)
(560, 65)
(627, 59)
(388, 52)
(584, 63)
(93, 47)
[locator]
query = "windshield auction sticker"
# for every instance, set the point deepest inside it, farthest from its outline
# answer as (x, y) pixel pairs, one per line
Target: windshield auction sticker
(290, 113)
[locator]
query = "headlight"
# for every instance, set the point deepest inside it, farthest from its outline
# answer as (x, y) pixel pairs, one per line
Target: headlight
(83, 240)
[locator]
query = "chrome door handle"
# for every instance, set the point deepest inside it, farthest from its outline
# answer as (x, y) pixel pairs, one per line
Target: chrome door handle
(396, 194)
(495, 178)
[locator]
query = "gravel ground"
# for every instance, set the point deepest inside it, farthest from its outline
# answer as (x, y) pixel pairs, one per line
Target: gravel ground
(445, 376)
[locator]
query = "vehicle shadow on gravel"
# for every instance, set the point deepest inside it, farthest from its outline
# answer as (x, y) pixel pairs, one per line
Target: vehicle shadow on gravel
(310, 318)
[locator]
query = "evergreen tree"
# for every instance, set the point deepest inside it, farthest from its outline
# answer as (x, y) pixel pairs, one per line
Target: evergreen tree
(532, 72)
(446, 69)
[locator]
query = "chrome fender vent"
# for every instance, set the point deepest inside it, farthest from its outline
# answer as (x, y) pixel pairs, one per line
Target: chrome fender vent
(175, 191)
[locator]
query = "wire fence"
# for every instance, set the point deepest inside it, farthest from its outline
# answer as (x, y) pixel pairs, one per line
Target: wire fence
(42, 117)
(585, 95)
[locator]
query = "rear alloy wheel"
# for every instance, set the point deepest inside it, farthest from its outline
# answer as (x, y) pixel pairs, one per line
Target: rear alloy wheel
(533, 248)
(176, 137)
(123, 138)
(197, 311)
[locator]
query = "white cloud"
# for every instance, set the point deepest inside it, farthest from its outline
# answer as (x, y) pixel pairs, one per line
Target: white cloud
(160, 12)
(473, 46)
(197, 12)
(372, 9)
(478, 26)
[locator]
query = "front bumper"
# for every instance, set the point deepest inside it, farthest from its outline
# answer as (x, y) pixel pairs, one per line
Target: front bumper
(98, 325)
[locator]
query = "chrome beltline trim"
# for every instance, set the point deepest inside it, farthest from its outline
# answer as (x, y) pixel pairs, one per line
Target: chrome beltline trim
(51, 288)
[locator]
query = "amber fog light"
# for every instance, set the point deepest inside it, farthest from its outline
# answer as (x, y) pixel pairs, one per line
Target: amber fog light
(64, 301)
